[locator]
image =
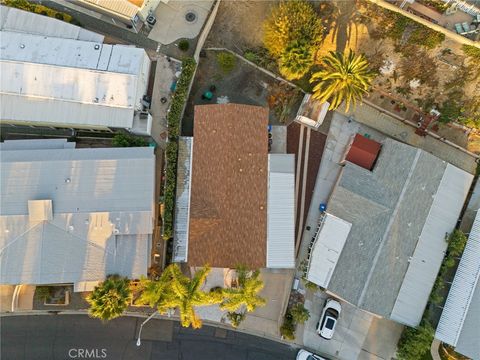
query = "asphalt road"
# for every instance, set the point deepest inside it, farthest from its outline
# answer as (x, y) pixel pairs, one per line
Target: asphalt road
(67, 337)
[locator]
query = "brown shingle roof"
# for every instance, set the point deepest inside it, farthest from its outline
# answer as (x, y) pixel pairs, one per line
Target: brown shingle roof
(228, 204)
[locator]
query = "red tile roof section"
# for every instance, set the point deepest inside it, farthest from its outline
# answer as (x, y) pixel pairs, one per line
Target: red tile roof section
(228, 205)
(363, 152)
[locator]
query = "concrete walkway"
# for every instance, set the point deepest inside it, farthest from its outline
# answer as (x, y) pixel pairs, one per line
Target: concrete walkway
(171, 23)
(434, 349)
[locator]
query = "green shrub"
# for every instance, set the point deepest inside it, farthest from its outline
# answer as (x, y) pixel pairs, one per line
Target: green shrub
(472, 52)
(183, 45)
(310, 285)
(173, 120)
(251, 56)
(226, 61)
(299, 313)
(415, 342)
(456, 243)
(59, 16)
(42, 293)
(236, 318)
(125, 140)
(424, 36)
(287, 330)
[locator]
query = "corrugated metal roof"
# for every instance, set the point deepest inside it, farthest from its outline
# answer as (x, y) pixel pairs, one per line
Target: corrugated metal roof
(102, 222)
(182, 206)
(51, 94)
(326, 250)
(428, 255)
(461, 293)
(281, 211)
(24, 21)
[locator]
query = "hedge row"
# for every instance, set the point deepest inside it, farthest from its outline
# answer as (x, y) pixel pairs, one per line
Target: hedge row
(179, 99)
(173, 120)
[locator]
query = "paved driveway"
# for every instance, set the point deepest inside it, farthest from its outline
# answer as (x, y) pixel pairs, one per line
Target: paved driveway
(350, 333)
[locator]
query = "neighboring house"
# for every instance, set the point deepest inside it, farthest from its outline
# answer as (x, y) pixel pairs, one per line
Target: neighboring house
(459, 21)
(15, 20)
(131, 13)
(381, 242)
(460, 320)
(235, 202)
(46, 76)
(72, 215)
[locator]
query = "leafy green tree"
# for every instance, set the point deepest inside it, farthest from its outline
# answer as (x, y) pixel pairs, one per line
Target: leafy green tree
(299, 313)
(289, 21)
(415, 342)
(296, 60)
(287, 330)
(343, 77)
(245, 296)
(110, 299)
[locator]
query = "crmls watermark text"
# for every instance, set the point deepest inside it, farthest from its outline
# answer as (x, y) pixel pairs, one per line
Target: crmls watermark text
(87, 353)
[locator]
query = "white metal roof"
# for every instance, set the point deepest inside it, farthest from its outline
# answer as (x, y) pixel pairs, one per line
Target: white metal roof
(281, 211)
(328, 246)
(464, 285)
(12, 19)
(36, 144)
(182, 206)
(120, 7)
(16, 46)
(102, 202)
(60, 95)
(428, 255)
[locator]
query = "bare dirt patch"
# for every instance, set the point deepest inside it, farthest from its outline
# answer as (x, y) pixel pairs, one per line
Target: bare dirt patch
(239, 24)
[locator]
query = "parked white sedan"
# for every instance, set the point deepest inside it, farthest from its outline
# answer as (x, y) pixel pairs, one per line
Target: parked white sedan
(329, 318)
(307, 355)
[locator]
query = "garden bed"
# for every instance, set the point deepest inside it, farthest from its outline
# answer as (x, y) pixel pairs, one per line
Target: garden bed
(243, 84)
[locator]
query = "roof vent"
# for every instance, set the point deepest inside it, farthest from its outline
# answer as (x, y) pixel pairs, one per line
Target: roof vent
(40, 210)
(96, 47)
(67, 181)
(22, 46)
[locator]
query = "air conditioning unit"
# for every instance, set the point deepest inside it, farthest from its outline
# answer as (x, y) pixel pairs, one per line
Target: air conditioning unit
(151, 20)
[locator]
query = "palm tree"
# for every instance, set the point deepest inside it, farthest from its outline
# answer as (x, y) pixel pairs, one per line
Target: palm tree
(246, 295)
(296, 60)
(110, 299)
(342, 77)
(174, 290)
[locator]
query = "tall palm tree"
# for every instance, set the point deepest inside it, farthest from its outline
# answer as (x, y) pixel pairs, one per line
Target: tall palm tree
(110, 299)
(174, 290)
(296, 60)
(245, 297)
(342, 77)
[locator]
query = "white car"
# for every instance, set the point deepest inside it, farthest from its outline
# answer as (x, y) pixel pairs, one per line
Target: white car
(329, 318)
(307, 355)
